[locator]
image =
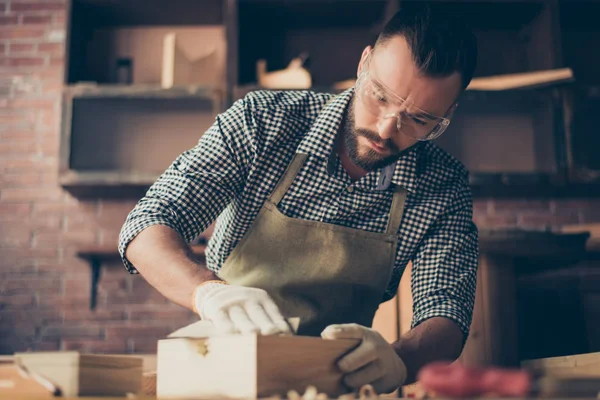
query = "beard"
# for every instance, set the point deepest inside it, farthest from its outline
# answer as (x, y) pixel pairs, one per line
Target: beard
(365, 157)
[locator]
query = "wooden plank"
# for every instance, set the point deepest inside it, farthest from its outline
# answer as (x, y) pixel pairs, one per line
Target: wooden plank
(583, 365)
(85, 374)
(522, 80)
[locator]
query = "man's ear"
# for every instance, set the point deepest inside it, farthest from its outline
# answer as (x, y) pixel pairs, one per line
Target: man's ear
(363, 58)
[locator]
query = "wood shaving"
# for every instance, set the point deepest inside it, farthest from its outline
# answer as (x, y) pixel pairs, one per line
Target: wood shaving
(366, 392)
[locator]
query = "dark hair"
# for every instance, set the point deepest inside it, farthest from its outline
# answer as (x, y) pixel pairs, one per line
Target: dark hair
(441, 43)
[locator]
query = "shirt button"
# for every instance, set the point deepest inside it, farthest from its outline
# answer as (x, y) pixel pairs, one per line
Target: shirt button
(350, 189)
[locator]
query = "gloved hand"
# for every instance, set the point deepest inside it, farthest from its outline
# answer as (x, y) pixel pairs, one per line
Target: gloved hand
(239, 309)
(373, 362)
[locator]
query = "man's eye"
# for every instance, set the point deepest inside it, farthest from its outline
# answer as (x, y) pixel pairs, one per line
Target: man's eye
(419, 121)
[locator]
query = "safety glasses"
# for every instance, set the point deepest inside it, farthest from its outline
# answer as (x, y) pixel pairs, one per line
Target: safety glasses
(382, 102)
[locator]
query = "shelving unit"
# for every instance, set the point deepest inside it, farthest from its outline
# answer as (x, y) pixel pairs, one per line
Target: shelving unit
(117, 140)
(511, 141)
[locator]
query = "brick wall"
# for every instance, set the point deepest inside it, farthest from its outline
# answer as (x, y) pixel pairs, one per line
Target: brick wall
(44, 287)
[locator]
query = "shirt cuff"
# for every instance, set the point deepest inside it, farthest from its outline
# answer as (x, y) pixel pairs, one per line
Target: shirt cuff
(450, 310)
(138, 220)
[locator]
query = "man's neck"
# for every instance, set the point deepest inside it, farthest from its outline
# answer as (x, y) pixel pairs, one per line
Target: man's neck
(355, 172)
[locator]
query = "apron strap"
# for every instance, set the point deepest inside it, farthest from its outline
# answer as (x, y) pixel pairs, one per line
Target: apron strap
(288, 177)
(396, 210)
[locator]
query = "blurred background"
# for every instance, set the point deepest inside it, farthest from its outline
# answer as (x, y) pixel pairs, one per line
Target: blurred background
(97, 97)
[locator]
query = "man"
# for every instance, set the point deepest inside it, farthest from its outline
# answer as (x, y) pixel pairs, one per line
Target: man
(320, 202)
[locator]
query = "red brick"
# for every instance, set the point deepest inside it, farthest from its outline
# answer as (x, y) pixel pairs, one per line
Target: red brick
(37, 19)
(12, 234)
(76, 238)
(57, 60)
(173, 315)
(85, 314)
(41, 208)
(26, 6)
(28, 318)
(19, 301)
(26, 194)
(137, 330)
(80, 330)
(11, 19)
(26, 260)
(32, 284)
(60, 301)
(18, 135)
(16, 341)
(27, 164)
(481, 207)
(26, 179)
(16, 119)
(18, 147)
(142, 345)
(17, 210)
(46, 104)
(501, 205)
(60, 18)
(21, 32)
(21, 48)
(115, 346)
(3, 47)
(52, 88)
(3, 7)
(48, 145)
(541, 220)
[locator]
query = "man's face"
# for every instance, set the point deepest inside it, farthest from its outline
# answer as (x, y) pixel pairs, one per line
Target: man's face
(373, 140)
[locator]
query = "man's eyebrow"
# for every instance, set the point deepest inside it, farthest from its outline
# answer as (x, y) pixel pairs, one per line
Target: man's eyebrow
(425, 115)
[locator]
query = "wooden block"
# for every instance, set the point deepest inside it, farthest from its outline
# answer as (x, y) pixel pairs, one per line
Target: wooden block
(249, 366)
(86, 374)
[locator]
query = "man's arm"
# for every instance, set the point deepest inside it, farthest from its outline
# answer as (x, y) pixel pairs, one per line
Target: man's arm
(444, 277)
(436, 339)
(158, 246)
(182, 203)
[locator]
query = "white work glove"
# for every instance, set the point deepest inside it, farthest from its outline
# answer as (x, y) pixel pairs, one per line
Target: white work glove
(239, 309)
(373, 362)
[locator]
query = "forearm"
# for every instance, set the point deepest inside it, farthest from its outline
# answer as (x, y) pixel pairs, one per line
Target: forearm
(433, 340)
(165, 260)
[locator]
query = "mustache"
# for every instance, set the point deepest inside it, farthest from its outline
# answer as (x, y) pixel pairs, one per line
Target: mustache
(374, 137)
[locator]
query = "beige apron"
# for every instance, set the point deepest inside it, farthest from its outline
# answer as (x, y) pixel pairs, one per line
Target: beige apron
(323, 273)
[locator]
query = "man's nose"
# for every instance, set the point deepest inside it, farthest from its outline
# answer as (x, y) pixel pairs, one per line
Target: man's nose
(388, 126)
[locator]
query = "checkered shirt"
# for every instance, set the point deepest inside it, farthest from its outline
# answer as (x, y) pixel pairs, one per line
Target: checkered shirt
(236, 164)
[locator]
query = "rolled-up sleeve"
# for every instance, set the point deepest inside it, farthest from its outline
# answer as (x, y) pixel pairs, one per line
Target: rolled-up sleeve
(445, 267)
(199, 184)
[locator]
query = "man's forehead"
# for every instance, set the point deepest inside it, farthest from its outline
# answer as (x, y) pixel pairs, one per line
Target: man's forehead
(393, 66)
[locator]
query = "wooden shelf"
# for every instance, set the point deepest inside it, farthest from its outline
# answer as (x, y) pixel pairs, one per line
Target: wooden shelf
(90, 91)
(98, 256)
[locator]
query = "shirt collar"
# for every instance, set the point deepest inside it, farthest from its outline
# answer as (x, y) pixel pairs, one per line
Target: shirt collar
(320, 139)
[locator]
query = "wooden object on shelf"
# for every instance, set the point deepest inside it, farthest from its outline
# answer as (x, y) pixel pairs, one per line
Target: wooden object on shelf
(200, 60)
(97, 256)
(593, 244)
(524, 80)
(249, 366)
(201, 52)
(582, 365)
(77, 374)
(294, 76)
